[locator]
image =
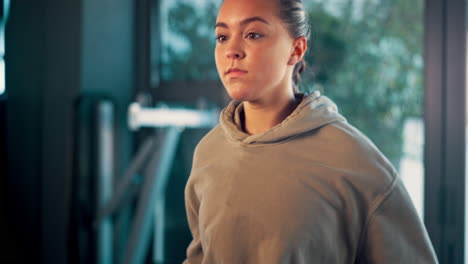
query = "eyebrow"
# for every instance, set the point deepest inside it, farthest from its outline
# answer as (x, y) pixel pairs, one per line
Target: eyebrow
(244, 22)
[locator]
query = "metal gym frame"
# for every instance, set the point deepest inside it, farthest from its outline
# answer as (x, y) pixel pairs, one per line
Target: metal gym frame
(445, 122)
(153, 162)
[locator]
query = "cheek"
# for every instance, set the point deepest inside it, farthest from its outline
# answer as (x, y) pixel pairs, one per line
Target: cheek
(218, 59)
(270, 63)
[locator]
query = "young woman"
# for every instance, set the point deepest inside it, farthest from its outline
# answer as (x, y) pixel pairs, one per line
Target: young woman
(284, 178)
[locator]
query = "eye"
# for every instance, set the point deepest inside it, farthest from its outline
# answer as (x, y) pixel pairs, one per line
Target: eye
(253, 35)
(220, 38)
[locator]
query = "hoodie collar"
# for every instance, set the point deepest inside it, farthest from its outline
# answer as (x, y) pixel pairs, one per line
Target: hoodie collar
(313, 112)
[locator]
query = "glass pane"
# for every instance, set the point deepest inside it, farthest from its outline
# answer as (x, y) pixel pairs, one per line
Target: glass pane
(188, 40)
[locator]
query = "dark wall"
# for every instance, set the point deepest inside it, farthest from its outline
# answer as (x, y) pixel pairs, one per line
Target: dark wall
(8, 241)
(57, 51)
(25, 61)
(108, 59)
(62, 84)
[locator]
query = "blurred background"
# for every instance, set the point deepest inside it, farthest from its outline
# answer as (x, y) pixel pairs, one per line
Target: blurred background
(103, 102)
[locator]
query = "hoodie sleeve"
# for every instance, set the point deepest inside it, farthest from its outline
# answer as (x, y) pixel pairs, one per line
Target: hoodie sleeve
(194, 250)
(394, 232)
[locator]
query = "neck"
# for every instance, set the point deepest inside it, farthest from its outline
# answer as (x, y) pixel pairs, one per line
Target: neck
(262, 116)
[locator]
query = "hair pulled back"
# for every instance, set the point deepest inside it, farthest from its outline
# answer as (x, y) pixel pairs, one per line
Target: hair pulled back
(293, 14)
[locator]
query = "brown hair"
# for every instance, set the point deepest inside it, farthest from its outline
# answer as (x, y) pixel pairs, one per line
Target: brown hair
(293, 14)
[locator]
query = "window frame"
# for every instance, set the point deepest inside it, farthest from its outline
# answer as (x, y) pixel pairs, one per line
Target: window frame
(445, 122)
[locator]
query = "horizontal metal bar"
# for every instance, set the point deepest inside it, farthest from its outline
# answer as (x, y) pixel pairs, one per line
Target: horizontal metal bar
(165, 117)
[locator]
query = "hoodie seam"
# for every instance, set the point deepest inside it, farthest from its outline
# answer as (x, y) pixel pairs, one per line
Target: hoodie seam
(378, 202)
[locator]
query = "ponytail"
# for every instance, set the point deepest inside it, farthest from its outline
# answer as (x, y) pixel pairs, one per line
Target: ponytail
(293, 14)
(298, 69)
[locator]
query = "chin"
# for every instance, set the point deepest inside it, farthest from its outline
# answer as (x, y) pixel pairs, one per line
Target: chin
(241, 91)
(239, 94)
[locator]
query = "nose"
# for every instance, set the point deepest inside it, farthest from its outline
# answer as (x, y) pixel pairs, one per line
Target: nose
(233, 55)
(235, 51)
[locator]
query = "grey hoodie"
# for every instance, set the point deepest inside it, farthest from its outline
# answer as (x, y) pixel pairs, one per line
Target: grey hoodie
(312, 189)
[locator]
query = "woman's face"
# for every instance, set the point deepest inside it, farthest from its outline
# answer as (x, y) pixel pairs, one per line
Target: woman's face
(253, 50)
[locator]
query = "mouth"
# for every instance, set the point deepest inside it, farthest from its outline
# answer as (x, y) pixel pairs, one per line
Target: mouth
(235, 72)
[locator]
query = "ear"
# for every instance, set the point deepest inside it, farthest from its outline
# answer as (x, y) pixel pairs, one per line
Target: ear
(298, 51)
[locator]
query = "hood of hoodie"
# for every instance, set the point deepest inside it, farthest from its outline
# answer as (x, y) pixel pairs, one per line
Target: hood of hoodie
(313, 112)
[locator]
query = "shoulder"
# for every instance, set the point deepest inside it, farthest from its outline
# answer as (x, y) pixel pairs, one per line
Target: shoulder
(209, 141)
(210, 148)
(353, 159)
(341, 145)
(204, 152)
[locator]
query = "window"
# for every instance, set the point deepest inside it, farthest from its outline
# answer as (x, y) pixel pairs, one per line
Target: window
(6, 5)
